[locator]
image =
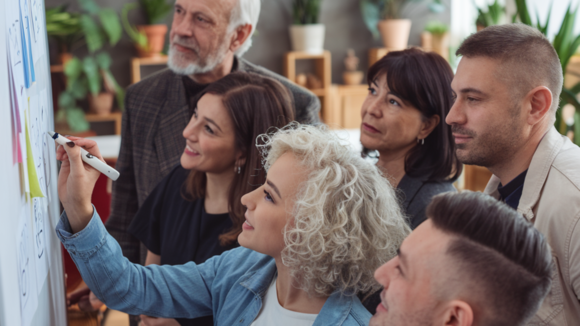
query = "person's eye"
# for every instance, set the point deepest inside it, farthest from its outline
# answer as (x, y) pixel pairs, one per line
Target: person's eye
(398, 268)
(394, 102)
(472, 99)
(372, 91)
(208, 129)
(178, 10)
(201, 19)
(268, 197)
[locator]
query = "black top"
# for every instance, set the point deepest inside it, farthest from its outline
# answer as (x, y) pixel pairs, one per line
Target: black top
(512, 192)
(179, 230)
(414, 193)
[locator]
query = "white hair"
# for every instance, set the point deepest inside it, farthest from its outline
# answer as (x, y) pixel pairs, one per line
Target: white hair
(245, 12)
(346, 219)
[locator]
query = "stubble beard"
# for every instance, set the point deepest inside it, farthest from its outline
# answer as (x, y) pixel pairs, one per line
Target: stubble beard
(182, 64)
(492, 147)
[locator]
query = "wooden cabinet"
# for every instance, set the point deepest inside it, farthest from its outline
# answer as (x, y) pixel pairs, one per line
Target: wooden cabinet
(322, 64)
(347, 101)
(136, 64)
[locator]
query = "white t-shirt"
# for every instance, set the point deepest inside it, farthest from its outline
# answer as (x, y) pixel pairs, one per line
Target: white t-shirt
(273, 314)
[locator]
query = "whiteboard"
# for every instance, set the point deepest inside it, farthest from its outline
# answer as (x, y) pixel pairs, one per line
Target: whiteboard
(16, 205)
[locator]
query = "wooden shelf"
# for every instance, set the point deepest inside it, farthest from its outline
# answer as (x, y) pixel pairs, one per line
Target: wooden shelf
(322, 71)
(56, 68)
(136, 64)
(116, 117)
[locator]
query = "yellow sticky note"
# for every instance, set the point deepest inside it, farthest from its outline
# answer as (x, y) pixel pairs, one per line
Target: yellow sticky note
(32, 177)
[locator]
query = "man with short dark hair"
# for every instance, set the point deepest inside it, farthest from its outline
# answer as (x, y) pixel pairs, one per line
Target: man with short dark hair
(474, 261)
(507, 85)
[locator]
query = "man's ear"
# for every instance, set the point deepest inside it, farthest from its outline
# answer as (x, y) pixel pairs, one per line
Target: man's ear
(540, 101)
(239, 37)
(428, 126)
(458, 313)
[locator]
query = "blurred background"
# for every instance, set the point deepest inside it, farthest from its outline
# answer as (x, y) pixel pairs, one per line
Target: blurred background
(100, 47)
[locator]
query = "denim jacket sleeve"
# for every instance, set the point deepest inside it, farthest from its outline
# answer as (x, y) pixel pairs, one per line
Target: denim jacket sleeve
(183, 291)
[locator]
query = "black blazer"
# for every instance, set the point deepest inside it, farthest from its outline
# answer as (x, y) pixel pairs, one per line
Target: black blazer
(416, 193)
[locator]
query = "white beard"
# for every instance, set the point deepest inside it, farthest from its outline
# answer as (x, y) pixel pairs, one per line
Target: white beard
(202, 66)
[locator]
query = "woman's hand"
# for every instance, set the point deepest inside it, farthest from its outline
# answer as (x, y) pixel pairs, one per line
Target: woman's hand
(153, 321)
(76, 181)
(85, 298)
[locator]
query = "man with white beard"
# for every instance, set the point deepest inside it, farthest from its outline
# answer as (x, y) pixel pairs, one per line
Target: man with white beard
(207, 40)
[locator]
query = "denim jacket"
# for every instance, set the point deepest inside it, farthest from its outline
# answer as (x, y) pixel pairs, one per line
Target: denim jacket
(230, 287)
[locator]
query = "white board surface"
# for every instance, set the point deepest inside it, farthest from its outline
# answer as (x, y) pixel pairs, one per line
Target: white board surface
(31, 272)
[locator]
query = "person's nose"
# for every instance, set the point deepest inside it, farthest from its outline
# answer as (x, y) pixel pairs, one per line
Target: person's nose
(249, 199)
(190, 131)
(182, 26)
(456, 115)
(382, 274)
(373, 107)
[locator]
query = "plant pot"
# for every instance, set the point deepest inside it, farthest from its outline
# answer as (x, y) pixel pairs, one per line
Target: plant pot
(307, 38)
(479, 27)
(65, 57)
(426, 41)
(441, 45)
(395, 33)
(101, 104)
(352, 77)
(155, 40)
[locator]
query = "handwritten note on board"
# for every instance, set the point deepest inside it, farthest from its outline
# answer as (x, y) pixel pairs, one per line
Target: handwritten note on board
(26, 270)
(39, 228)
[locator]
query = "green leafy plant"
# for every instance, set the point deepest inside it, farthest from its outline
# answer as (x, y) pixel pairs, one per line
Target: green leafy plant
(131, 30)
(375, 10)
(305, 12)
(436, 28)
(91, 74)
(155, 10)
(492, 16)
(63, 26)
(566, 44)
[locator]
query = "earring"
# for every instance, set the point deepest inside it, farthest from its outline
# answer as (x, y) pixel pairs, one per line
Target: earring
(422, 141)
(239, 169)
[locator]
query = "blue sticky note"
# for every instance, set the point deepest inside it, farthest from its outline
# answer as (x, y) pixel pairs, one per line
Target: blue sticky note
(25, 57)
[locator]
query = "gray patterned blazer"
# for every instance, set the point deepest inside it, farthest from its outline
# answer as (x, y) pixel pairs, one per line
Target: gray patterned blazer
(156, 112)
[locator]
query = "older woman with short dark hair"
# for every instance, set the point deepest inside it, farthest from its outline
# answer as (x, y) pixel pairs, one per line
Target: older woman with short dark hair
(403, 119)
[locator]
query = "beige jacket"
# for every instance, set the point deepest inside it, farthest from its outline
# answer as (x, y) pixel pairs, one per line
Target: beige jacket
(551, 201)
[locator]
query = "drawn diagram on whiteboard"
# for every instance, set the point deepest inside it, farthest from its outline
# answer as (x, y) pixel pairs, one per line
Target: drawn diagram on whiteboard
(23, 271)
(38, 228)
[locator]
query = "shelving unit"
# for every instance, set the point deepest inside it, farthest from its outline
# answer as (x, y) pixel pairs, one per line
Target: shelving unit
(115, 117)
(136, 64)
(376, 53)
(322, 71)
(347, 101)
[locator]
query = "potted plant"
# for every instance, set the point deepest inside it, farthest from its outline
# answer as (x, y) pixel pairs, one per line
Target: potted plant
(439, 38)
(90, 78)
(149, 39)
(65, 28)
(492, 16)
(566, 44)
(306, 33)
(383, 17)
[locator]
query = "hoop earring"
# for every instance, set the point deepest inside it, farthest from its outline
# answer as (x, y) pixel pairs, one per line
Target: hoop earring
(422, 141)
(239, 169)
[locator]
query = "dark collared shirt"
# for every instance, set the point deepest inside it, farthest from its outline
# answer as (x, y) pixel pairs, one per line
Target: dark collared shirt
(512, 192)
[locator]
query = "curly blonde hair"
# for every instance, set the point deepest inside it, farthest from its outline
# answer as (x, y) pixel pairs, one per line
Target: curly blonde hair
(347, 220)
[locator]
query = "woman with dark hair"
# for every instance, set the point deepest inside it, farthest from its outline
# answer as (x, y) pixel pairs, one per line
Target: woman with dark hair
(403, 119)
(195, 213)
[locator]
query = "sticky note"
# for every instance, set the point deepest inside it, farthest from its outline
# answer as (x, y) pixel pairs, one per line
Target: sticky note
(35, 190)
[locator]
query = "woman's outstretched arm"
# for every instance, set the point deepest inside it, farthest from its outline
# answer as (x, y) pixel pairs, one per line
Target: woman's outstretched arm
(162, 291)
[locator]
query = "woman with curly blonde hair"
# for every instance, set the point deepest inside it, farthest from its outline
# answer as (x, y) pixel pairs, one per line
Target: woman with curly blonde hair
(314, 233)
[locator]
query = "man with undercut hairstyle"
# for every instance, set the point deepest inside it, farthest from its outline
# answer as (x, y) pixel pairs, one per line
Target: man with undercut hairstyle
(507, 88)
(474, 261)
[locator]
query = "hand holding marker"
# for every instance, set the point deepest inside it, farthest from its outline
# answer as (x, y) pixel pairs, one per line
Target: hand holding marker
(88, 158)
